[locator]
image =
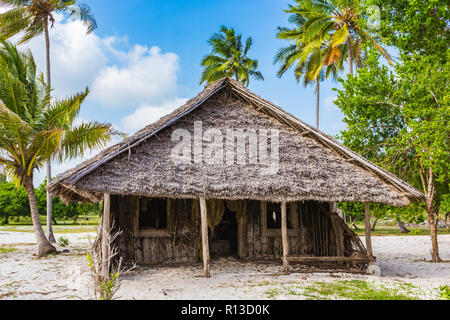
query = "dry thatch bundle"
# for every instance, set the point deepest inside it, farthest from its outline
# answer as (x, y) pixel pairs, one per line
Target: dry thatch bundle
(312, 165)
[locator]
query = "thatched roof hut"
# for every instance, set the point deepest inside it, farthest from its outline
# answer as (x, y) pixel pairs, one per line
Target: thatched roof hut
(312, 168)
(313, 165)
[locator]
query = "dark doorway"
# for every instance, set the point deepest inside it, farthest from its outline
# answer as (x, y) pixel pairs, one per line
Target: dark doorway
(224, 240)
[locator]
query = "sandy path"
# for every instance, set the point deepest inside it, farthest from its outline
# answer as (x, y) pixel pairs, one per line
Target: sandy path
(24, 276)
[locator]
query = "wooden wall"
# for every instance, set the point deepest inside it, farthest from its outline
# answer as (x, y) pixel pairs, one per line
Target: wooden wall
(313, 232)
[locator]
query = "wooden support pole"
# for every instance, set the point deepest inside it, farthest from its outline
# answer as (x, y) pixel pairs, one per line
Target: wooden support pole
(107, 210)
(368, 230)
(205, 241)
(105, 228)
(284, 236)
(241, 234)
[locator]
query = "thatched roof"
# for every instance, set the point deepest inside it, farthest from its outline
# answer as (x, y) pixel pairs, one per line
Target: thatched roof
(312, 166)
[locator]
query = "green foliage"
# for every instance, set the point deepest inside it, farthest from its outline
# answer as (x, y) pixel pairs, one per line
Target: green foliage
(327, 32)
(416, 27)
(62, 242)
(59, 209)
(32, 130)
(309, 54)
(13, 202)
(229, 58)
(445, 292)
(400, 120)
(415, 232)
(106, 287)
(29, 18)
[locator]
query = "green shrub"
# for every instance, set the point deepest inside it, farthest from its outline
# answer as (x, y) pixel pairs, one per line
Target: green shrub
(445, 292)
(62, 242)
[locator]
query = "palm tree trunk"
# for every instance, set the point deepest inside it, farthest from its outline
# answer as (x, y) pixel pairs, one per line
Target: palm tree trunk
(317, 103)
(350, 57)
(44, 246)
(51, 237)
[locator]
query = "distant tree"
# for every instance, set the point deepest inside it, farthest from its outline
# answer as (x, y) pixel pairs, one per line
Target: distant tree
(61, 210)
(31, 18)
(33, 130)
(229, 58)
(13, 202)
(401, 121)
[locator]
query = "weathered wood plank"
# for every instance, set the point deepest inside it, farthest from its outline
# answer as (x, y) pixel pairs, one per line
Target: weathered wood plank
(328, 259)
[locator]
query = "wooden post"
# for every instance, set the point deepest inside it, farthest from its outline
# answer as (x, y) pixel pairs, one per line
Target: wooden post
(284, 236)
(106, 225)
(368, 230)
(205, 241)
(241, 236)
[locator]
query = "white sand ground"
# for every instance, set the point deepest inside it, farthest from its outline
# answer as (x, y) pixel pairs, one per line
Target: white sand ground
(64, 276)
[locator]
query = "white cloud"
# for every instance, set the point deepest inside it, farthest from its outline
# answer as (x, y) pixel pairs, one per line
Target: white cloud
(146, 115)
(76, 58)
(141, 77)
(117, 77)
(147, 77)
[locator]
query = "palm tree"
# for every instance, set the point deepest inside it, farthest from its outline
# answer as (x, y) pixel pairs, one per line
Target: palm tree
(342, 21)
(34, 130)
(32, 18)
(229, 58)
(313, 65)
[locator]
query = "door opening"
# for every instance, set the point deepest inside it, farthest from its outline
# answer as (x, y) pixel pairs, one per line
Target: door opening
(224, 240)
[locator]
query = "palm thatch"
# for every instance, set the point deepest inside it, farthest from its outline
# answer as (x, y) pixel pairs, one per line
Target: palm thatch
(312, 166)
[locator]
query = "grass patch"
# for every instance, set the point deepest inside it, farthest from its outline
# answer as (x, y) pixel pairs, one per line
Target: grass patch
(347, 290)
(56, 229)
(4, 250)
(395, 231)
(445, 292)
(359, 290)
(93, 220)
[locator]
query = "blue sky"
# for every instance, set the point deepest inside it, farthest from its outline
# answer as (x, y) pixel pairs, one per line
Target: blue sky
(144, 60)
(183, 28)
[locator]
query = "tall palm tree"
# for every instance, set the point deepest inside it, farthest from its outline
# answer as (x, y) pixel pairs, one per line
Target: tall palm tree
(229, 58)
(34, 129)
(344, 22)
(32, 18)
(313, 65)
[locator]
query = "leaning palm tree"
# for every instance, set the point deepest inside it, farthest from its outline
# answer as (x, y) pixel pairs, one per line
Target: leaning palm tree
(313, 65)
(31, 18)
(34, 130)
(229, 58)
(344, 22)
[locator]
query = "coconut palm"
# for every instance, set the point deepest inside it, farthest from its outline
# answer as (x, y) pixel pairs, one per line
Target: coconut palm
(313, 65)
(34, 129)
(342, 22)
(229, 58)
(31, 18)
